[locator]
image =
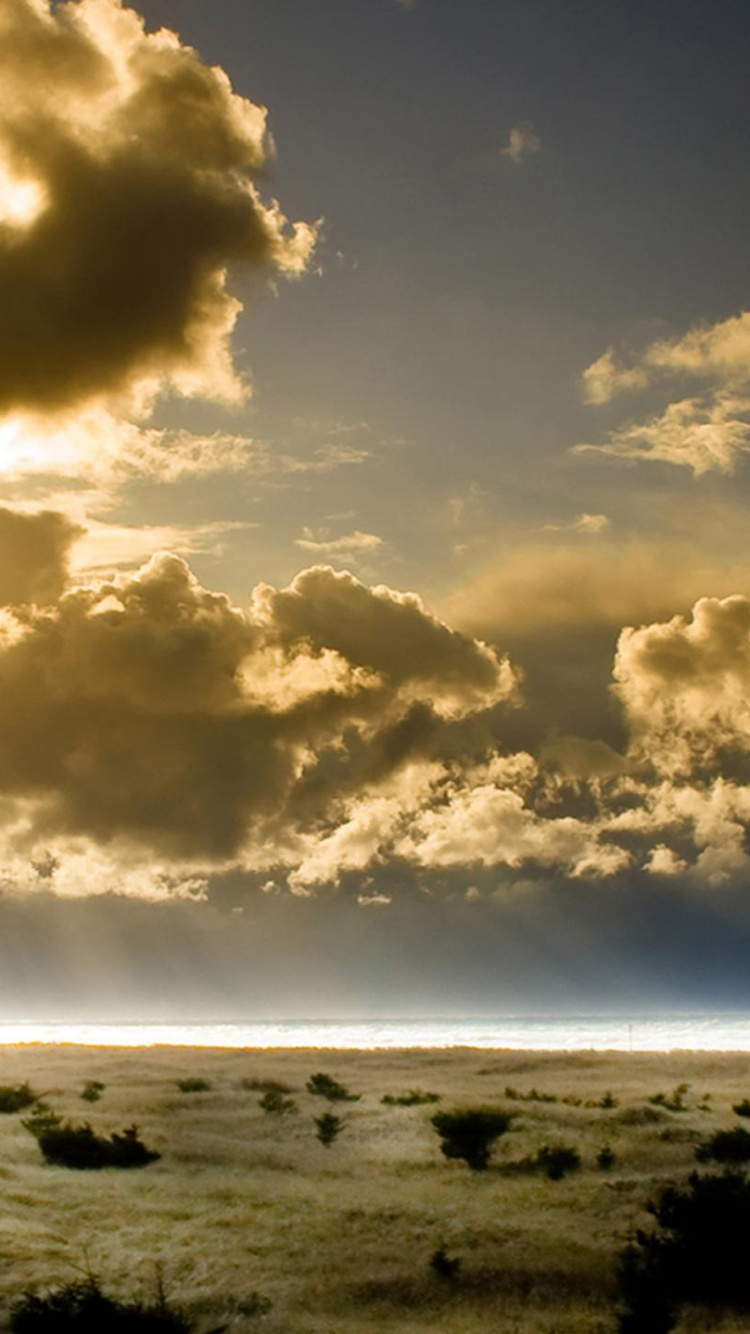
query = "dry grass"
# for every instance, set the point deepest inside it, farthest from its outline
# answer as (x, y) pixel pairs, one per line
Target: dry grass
(340, 1239)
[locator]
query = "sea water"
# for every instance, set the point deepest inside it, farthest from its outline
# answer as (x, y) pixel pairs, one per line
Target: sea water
(653, 1032)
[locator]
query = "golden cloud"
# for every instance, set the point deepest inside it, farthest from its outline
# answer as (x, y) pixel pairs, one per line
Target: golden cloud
(128, 174)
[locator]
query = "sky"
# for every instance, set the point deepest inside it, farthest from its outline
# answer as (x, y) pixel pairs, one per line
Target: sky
(374, 586)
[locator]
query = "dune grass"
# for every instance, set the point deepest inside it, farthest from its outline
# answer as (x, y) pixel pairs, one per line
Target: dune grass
(244, 1209)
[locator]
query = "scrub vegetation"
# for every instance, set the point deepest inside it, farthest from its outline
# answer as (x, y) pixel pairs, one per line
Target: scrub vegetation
(257, 1225)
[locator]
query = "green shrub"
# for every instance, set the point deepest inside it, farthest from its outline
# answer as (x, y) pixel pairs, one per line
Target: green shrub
(444, 1265)
(92, 1091)
(82, 1308)
(726, 1146)
(329, 1127)
(414, 1098)
(470, 1134)
(697, 1254)
(16, 1097)
(323, 1086)
(194, 1085)
(606, 1158)
(557, 1160)
(742, 1108)
(276, 1104)
(78, 1146)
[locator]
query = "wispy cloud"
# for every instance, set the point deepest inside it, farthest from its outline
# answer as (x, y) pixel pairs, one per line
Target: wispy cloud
(523, 141)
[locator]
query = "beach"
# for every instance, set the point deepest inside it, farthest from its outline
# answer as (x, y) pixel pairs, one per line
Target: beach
(248, 1219)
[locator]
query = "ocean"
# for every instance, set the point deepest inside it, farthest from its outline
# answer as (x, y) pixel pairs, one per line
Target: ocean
(653, 1032)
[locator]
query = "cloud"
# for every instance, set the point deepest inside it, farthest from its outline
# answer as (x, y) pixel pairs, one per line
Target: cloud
(608, 376)
(319, 543)
(685, 684)
(592, 524)
(146, 720)
(128, 189)
(34, 551)
(523, 140)
(708, 434)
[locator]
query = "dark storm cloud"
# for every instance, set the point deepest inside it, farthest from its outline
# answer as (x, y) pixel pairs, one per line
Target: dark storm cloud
(127, 172)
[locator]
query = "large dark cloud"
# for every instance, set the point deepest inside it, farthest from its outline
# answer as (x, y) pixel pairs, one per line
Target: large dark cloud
(127, 172)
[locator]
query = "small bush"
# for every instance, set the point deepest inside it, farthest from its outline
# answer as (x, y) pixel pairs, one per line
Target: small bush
(82, 1308)
(329, 1127)
(557, 1160)
(742, 1108)
(673, 1102)
(414, 1098)
(533, 1095)
(470, 1134)
(276, 1104)
(641, 1116)
(323, 1086)
(255, 1085)
(67, 1145)
(92, 1091)
(16, 1097)
(607, 1103)
(194, 1085)
(444, 1265)
(726, 1146)
(606, 1159)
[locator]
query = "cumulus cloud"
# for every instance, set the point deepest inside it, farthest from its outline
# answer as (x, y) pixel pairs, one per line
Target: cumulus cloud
(128, 187)
(685, 683)
(148, 714)
(523, 141)
(34, 551)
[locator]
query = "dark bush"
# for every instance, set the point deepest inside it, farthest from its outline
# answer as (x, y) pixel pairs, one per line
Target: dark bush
(444, 1265)
(533, 1095)
(329, 1127)
(92, 1091)
(557, 1160)
(414, 1098)
(255, 1085)
(323, 1086)
(673, 1102)
(698, 1254)
(276, 1104)
(78, 1146)
(606, 1158)
(16, 1097)
(608, 1102)
(470, 1134)
(726, 1146)
(742, 1108)
(194, 1085)
(82, 1308)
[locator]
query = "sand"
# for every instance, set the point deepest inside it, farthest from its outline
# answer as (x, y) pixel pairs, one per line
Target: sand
(246, 1209)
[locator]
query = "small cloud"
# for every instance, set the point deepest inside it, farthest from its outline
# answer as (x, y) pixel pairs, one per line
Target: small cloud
(374, 900)
(664, 861)
(320, 543)
(583, 523)
(523, 140)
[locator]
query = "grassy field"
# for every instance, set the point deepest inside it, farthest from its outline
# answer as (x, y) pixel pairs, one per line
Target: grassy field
(340, 1239)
